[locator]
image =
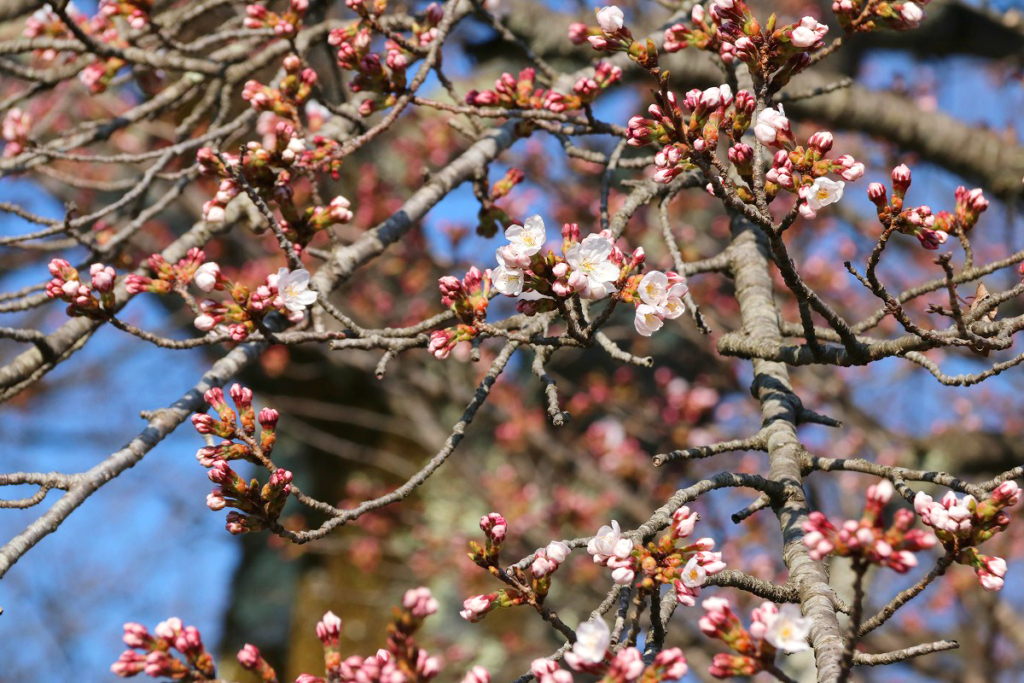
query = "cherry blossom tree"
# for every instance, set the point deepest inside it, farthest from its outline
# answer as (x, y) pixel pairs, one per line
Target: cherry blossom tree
(604, 283)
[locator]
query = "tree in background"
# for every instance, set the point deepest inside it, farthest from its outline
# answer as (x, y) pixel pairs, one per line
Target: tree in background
(637, 306)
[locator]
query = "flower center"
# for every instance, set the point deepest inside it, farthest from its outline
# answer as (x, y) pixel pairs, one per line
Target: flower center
(822, 195)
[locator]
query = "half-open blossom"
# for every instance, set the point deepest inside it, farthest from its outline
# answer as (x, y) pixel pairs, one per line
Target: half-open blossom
(610, 19)
(207, 276)
(772, 126)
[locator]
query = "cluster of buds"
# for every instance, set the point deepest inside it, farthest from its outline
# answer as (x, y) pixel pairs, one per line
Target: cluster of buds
(401, 662)
(546, 562)
(135, 12)
(964, 523)
(286, 292)
(866, 539)
(932, 230)
(15, 130)
(285, 25)
(98, 75)
(864, 15)
(237, 429)
(256, 507)
(658, 297)
(613, 36)
(522, 93)
(468, 299)
(270, 172)
(44, 23)
(491, 216)
(154, 654)
(728, 28)
(289, 98)
(690, 127)
(771, 629)
(370, 76)
(167, 277)
(93, 298)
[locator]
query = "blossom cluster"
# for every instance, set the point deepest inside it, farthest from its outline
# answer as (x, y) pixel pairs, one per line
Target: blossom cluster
(284, 25)
(254, 507)
(521, 93)
(684, 567)
(468, 299)
(92, 297)
(546, 561)
(286, 292)
(931, 229)
(728, 28)
(771, 629)
(864, 15)
(866, 539)
(590, 654)
(154, 654)
(964, 523)
(660, 298)
(592, 268)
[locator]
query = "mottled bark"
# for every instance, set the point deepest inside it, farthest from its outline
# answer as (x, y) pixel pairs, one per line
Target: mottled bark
(780, 408)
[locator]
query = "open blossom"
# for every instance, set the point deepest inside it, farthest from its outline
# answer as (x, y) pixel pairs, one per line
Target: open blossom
(592, 640)
(610, 19)
(789, 629)
(293, 288)
(529, 238)
(593, 272)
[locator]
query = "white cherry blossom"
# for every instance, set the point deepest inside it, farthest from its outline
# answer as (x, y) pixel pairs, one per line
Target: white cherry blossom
(293, 288)
(527, 239)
